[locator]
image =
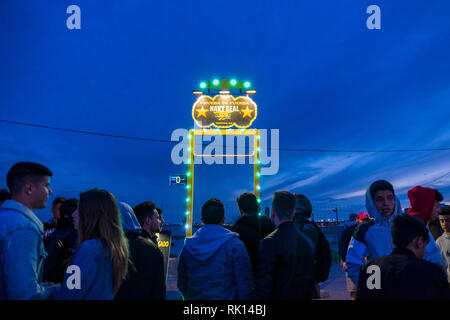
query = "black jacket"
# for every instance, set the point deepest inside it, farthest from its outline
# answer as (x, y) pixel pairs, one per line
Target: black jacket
(153, 237)
(145, 279)
(60, 246)
(404, 277)
(321, 248)
(286, 265)
(252, 229)
(344, 241)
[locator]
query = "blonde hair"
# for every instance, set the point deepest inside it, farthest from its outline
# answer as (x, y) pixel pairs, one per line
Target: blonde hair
(99, 217)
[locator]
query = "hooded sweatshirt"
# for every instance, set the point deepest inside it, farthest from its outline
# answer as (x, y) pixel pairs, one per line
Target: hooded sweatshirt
(129, 220)
(422, 202)
(443, 242)
(214, 265)
(371, 239)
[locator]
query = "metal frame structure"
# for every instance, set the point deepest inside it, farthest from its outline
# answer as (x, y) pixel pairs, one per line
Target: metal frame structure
(191, 163)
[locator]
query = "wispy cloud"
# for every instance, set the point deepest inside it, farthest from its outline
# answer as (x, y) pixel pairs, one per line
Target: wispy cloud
(324, 167)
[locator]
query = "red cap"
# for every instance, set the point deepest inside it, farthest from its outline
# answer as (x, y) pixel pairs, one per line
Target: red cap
(363, 216)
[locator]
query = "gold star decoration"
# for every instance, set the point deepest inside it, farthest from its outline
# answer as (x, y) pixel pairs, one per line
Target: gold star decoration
(247, 112)
(201, 112)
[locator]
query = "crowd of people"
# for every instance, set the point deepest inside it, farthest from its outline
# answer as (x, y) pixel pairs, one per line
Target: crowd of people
(97, 247)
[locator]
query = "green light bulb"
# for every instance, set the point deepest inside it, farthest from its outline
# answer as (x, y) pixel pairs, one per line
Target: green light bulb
(247, 84)
(233, 82)
(215, 82)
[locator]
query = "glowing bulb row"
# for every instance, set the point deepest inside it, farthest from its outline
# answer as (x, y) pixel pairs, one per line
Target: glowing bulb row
(233, 82)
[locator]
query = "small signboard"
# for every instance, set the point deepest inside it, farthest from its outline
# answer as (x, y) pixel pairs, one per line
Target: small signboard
(164, 243)
(224, 111)
(178, 180)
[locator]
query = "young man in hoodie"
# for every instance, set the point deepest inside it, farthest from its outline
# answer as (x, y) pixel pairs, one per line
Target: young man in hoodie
(214, 264)
(373, 239)
(443, 242)
(404, 274)
(425, 204)
(251, 227)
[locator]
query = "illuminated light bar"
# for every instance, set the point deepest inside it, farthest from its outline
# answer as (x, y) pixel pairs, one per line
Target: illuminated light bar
(224, 92)
(197, 92)
(249, 92)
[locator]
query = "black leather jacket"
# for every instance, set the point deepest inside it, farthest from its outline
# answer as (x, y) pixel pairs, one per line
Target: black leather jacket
(286, 266)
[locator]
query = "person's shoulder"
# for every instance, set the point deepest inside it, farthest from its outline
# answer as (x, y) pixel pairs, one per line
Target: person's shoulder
(91, 247)
(427, 266)
(360, 231)
(13, 221)
(442, 239)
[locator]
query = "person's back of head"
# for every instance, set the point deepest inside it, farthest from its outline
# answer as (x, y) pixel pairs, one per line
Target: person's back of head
(425, 203)
(213, 212)
(67, 208)
(248, 203)
(303, 206)
(28, 183)
(283, 203)
(411, 233)
(99, 217)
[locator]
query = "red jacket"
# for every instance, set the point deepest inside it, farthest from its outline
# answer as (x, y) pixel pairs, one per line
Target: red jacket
(422, 202)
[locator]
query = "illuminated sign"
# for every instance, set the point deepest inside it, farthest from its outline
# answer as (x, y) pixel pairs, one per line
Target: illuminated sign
(164, 244)
(224, 111)
(177, 180)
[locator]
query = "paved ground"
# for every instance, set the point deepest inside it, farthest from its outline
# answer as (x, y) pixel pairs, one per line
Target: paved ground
(334, 288)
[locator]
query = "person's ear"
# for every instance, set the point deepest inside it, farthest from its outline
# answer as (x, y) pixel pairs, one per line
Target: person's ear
(29, 188)
(222, 221)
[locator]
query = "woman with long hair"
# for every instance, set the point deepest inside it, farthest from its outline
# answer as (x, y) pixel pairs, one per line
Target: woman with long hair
(100, 264)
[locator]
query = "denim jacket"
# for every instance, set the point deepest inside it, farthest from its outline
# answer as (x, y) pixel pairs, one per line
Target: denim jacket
(22, 254)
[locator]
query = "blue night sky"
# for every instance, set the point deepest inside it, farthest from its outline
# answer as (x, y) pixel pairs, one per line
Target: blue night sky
(323, 79)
